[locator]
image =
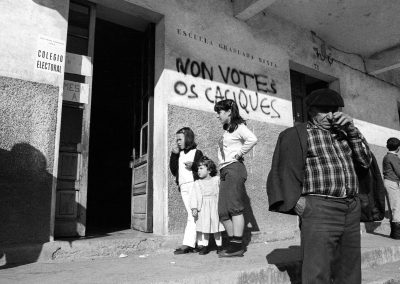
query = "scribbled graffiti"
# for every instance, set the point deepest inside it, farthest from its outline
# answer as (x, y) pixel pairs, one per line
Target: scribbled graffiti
(229, 75)
(248, 101)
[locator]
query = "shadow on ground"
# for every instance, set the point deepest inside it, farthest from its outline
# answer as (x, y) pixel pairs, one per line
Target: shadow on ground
(289, 260)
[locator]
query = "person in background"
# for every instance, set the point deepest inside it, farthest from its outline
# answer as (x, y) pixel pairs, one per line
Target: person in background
(236, 141)
(204, 205)
(313, 175)
(391, 176)
(183, 165)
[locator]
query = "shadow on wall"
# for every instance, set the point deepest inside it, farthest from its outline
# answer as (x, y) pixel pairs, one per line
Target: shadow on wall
(25, 204)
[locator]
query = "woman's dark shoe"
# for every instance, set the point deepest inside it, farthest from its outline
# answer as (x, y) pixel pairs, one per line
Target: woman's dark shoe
(183, 250)
(235, 250)
(204, 250)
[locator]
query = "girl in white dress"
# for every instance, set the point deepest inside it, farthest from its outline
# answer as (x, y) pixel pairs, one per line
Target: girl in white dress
(204, 205)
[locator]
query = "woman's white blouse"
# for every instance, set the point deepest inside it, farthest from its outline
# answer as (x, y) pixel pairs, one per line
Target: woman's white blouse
(239, 142)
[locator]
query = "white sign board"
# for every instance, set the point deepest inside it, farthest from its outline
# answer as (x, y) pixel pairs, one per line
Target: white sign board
(78, 64)
(76, 92)
(50, 55)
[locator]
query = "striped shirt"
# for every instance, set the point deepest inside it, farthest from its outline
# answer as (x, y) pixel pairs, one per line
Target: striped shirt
(330, 161)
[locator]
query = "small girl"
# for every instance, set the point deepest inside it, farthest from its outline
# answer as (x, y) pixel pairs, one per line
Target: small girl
(204, 204)
(183, 165)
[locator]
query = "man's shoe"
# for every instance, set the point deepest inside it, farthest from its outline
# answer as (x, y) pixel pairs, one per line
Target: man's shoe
(183, 250)
(204, 250)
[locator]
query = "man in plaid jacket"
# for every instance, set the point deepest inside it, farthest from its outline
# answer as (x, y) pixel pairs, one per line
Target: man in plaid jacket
(313, 175)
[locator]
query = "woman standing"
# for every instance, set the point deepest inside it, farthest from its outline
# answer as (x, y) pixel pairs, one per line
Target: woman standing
(183, 165)
(391, 175)
(236, 141)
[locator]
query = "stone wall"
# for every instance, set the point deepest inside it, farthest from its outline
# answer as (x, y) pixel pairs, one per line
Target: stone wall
(27, 141)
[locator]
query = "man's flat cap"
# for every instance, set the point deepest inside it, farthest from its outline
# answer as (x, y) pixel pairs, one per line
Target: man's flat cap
(324, 97)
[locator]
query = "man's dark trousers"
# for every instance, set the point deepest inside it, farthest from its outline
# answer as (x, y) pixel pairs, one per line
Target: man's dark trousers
(330, 240)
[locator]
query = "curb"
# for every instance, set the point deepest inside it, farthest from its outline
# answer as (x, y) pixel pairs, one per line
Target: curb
(85, 249)
(289, 272)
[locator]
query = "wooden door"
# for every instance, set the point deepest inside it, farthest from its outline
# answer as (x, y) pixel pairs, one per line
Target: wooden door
(298, 88)
(142, 165)
(71, 194)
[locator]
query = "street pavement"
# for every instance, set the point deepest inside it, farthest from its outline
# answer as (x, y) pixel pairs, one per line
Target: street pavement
(264, 262)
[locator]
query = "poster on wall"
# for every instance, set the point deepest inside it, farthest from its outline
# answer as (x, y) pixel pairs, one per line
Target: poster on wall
(50, 55)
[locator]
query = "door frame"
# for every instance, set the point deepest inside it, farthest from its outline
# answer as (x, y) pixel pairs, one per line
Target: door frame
(84, 159)
(81, 214)
(150, 120)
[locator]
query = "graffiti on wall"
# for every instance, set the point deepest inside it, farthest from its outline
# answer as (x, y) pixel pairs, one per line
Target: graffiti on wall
(235, 86)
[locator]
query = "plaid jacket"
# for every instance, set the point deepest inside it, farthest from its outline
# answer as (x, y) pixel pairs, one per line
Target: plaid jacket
(329, 168)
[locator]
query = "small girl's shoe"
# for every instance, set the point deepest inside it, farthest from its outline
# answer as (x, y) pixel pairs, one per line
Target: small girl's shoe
(219, 249)
(204, 250)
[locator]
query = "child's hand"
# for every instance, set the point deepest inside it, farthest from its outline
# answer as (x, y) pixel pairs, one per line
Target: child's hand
(194, 212)
(175, 148)
(188, 165)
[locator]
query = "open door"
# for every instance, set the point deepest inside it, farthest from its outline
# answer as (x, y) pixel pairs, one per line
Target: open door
(142, 164)
(70, 217)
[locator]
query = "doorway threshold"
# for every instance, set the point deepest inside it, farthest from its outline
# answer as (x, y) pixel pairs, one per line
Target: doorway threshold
(116, 244)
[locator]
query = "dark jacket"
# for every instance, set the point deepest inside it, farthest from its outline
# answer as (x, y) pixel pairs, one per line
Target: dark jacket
(372, 192)
(174, 164)
(285, 180)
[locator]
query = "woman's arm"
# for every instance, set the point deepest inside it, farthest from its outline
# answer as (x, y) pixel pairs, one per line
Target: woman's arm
(249, 140)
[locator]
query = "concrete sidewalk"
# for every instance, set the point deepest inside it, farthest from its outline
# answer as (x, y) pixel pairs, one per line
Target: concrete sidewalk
(265, 262)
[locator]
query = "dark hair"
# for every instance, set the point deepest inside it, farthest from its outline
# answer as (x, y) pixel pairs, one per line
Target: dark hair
(236, 119)
(392, 144)
(210, 165)
(189, 137)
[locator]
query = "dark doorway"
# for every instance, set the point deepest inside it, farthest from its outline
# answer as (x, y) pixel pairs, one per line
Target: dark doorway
(116, 113)
(302, 85)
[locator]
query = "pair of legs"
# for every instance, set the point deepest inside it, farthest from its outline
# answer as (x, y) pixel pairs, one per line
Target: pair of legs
(203, 239)
(234, 226)
(189, 237)
(231, 204)
(330, 240)
(393, 191)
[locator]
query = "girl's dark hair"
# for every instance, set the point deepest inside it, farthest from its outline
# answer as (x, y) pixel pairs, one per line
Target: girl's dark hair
(210, 165)
(236, 119)
(392, 144)
(189, 137)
